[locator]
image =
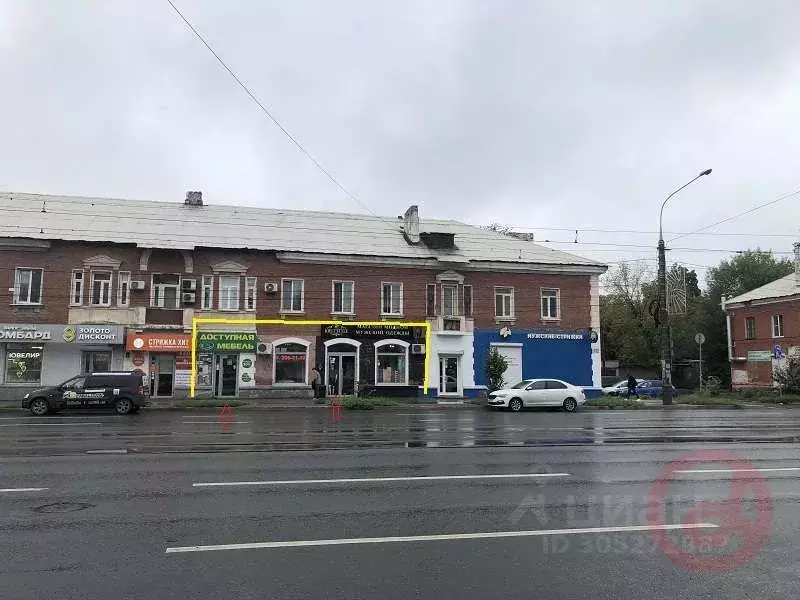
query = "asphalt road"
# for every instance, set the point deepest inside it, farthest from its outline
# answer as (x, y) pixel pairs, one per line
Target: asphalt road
(473, 522)
(319, 429)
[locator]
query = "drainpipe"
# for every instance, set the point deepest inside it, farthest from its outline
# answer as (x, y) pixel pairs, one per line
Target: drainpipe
(728, 326)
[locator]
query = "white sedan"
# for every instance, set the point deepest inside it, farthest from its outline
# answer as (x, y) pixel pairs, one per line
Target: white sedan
(538, 392)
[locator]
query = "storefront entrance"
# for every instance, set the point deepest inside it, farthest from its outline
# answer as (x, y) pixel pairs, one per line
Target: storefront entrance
(225, 374)
(448, 376)
(162, 375)
(341, 376)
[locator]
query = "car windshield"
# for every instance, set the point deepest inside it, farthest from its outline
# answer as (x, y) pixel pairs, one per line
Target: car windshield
(521, 385)
(74, 382)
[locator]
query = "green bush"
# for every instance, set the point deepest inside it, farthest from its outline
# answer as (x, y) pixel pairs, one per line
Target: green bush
(701, 400)
(210, 403)
(495, 368)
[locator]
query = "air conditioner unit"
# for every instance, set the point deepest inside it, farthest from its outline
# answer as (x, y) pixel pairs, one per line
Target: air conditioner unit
(137, 285)
(263, 348)
(417, 348)
(189, 285)
(187, 298)
(271, 288)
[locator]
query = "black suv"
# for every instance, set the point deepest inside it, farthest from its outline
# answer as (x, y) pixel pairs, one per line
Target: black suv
(124, 390)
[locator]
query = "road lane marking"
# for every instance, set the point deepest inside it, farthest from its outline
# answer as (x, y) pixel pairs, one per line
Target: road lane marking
(378, 479)
(439, 537)
(753, 470)
(10, 490)
(48, 424)
(117, 451)
(212, 422)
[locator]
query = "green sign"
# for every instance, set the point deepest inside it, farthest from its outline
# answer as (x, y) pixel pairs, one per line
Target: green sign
(234, 341)
(759, 356)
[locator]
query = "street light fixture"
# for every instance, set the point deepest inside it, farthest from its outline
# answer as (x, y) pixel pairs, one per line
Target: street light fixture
(663, 315)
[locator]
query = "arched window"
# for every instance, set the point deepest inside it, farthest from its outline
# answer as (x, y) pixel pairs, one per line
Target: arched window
(290, 364)
(391, 362)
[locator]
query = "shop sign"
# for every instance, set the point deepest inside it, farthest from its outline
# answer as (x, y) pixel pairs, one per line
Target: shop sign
(158, 342)
(388, 330)
(137, 358)
(297, 357)
(234, 341)
(69, 334)
(555, 336)
(759, 356)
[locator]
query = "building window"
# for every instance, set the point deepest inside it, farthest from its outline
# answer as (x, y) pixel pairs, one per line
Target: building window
(430, 300)
(750, 328)
(28, 286)
(250, 293)
(504, 302)
(343, 297)
(166, 291)
(101, 288)
(468, 301)
(391, 362)
(290, 363)
(229, 292)
(391, 298)
(207, 299)
(124, 291)
(76, 288)
(450, 304)
(550, 302)
(777, 325)
(291, 295)
(23, 363)
(96, 362)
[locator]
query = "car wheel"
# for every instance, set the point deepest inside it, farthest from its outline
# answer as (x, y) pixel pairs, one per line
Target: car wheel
(515, 405)
(123, 406)
(39, 407)
(570, 405)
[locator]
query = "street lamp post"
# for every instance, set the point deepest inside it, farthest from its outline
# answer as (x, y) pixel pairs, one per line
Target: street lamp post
(663, 315)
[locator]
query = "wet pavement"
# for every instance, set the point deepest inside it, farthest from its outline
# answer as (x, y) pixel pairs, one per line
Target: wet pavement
(320, 428)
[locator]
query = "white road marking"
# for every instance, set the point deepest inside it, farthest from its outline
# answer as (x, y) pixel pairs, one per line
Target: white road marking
(439, 537)
(765, 470)
(9, 490)
(379, 479)
(119, 451)
(213, 422)
(48, 424)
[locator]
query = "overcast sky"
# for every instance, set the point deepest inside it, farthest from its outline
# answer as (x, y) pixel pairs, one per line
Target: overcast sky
(539, 114)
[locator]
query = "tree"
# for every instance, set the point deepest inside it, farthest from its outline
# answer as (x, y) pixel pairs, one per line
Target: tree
(495, 368)
(788, 376)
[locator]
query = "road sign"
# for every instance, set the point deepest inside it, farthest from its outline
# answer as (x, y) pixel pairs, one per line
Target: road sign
(778, 351)
(700, 338)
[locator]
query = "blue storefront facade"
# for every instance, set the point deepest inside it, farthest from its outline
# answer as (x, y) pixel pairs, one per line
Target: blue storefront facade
(567, 354)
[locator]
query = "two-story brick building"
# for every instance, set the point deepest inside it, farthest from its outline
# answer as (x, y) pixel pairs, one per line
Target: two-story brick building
(763, 329)
(95, 284)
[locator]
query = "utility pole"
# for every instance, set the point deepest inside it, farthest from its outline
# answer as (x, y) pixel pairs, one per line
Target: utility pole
(663, 314)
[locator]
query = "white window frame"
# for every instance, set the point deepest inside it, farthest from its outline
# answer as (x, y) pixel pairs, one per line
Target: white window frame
(381, 344)
(450, 285)
(17, 280)
(74, 283)
(777, 325)
(110, 282)
(557, 316)
(506, 291)
(237, 304)
(207, 284)
(154, 291)
(284, 281)
(289, 340)
(399, 313)
(747, 335)
(250, 293)
(123, 288)
(352, 297)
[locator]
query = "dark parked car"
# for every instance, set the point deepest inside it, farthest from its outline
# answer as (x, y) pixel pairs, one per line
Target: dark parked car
(125, 391)
(652, 388)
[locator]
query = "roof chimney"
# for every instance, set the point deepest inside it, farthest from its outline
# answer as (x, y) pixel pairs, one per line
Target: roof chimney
(194, 199)
(797, 264)
(411, 224)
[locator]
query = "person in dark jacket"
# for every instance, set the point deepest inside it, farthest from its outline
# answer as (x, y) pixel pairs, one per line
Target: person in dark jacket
(632, 387)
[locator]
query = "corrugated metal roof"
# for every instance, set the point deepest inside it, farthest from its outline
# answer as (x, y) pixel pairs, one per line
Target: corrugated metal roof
(175, 225)
(780, 288)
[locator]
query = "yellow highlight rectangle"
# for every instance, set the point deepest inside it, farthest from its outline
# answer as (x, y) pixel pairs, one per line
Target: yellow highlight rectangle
(219, 321)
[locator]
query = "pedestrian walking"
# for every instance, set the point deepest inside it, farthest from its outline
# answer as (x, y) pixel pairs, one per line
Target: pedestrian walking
(316, 382)
(632, 387)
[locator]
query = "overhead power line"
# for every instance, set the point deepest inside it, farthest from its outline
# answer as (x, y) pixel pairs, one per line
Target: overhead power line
(266, 111)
